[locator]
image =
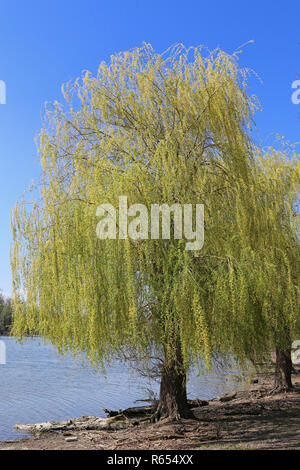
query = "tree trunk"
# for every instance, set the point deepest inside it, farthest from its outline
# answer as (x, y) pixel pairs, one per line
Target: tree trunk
(283, 369)
(172, 401)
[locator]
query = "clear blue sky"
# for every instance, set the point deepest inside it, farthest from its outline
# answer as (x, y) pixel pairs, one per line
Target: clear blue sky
(45, 43)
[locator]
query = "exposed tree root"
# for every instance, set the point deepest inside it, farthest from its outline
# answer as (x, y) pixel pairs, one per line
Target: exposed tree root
(174, 415)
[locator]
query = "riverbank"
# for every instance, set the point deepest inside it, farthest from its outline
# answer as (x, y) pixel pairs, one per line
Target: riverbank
(252, 419)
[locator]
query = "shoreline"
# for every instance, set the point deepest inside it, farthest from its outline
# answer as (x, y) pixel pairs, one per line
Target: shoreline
(249, 419)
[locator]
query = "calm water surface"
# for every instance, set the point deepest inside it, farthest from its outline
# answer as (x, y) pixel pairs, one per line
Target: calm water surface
(37, 384)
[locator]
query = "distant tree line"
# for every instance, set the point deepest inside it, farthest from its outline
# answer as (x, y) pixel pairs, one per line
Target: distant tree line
(5, 315)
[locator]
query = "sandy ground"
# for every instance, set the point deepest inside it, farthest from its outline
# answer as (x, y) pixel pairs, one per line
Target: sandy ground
(253, 420)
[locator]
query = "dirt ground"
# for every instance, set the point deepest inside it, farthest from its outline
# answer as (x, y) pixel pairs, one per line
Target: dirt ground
(254, 419)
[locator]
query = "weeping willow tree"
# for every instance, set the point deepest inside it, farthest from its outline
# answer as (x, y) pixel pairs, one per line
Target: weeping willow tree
(255, 291)
(158, 129)
(278, 286)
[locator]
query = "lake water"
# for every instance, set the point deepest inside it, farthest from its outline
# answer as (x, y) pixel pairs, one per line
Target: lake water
(37, 384)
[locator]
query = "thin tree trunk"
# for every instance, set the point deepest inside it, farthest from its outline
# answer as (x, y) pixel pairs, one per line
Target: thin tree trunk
(172, 401)
(283, 369)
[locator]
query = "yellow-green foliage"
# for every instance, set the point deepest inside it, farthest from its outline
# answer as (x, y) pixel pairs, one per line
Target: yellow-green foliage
(171, 128)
